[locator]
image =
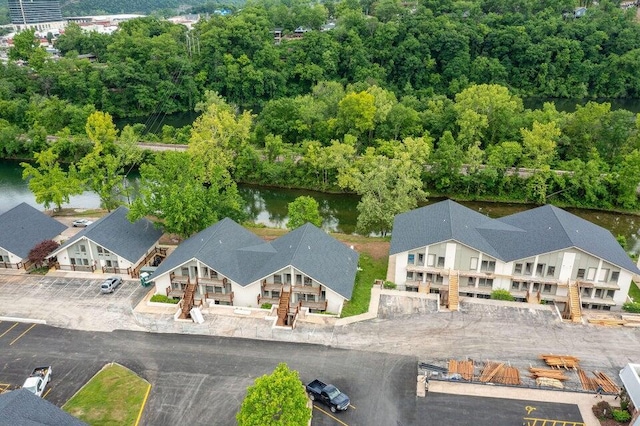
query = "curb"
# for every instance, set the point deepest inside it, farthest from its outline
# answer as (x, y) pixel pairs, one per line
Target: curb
(27, 320)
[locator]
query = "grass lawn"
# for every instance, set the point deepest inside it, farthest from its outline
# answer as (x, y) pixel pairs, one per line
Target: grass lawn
(114, 396)
(372, 269)
(634, 292)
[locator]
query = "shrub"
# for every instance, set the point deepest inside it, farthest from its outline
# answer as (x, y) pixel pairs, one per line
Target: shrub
(633, 307)
(621, 416)
(161, 298)
(389, 285)
(602, 410)
(266, 306)
(502, 294)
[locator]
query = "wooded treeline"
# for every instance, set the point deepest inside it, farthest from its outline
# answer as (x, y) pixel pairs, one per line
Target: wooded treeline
(407, 99)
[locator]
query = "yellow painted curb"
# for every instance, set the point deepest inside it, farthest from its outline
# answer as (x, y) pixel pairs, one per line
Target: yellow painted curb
(144, 402)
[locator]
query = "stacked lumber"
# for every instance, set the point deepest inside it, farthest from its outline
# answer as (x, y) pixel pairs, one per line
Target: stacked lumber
(546, 381)
(464, 368)
(495, 372)
(588, 383)
(607, 384)
(631, 320)
(549, 373)
(561, 361)
(607, 321)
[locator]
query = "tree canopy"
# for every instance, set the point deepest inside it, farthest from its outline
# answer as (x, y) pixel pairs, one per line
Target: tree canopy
(275, 399)
(302, 210)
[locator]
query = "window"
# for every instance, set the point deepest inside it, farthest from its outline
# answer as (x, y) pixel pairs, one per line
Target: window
(277, 279)
(604, 274)
(485, 282)
(586, 292)
(73, 261)
(106, 251)
(547, 288)
(517, 269)
(99, 250)
(580, 273)
(471, 282)
(217, 289)
(412, 259)
(420, 276)
(308, 281)
(409, 276)
(515, 285)
(540, 268)
(551, 271)
(108, 262)
(488, 266)
(536, 287)
(83, 248)
(208, 288)
(440, 262)
(275, 294)
(473, 265)
(175, 286)
(610, 294)
(614, 276)
(213, 273)
(598, 293)
(591, 274)
(85, 262)
(439, 279)
(298, 279)
(528, 268)
(420, 259)
(431, 260)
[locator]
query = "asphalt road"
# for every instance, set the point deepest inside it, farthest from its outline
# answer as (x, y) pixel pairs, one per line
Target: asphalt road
(202, 380)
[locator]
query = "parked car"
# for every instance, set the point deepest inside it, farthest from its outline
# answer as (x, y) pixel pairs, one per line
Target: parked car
(38, 380)
(328, 395)
(110, 284)
(81, 223)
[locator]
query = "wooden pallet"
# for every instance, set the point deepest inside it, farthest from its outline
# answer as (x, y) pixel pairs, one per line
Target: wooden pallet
(464, 368)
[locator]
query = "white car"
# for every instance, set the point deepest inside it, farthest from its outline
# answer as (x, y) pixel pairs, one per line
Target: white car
(81, 223)
(110, 284)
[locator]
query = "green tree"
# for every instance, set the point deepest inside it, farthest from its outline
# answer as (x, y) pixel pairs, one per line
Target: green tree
(25, 44)
(356, 113)
(302, 210)
(275, 399)
(173, 194)
(48, 182)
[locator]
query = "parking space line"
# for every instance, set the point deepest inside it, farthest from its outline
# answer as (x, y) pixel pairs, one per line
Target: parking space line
(4, 387)
(333, 417)
(353, 406)
(16, 339)
(135, 289)
(10, 328)
(46, 393)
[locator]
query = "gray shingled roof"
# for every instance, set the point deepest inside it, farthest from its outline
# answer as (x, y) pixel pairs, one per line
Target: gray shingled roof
(317, 254)
(541, 230)
(24, 226)
(115, 233)
(244, 258)
(215, 247)
(21, 407)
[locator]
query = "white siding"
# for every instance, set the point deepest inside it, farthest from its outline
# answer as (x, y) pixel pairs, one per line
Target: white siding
(566, 270)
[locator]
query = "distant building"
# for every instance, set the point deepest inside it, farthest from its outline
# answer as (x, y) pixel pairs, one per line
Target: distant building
(42, 15)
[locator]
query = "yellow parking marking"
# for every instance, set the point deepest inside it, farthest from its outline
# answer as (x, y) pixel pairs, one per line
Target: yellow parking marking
(4, 387)
(144, 402)
(10, 328)
(46, 393)
(353, 406)
(16, 339)
(328, 414)
(533, 421)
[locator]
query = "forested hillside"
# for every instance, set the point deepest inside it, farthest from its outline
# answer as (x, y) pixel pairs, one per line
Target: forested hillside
(397, 99)
(99, 7)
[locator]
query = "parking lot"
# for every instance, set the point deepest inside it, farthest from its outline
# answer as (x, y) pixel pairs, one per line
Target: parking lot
(72, 300)
(203, 379)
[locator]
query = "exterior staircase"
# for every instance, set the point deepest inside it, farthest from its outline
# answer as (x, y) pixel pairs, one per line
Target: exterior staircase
(283, 309)
(575, 308)
(188, 301)
(454, 291)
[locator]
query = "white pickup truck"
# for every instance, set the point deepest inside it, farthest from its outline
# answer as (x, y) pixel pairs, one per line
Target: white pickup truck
(38, 379)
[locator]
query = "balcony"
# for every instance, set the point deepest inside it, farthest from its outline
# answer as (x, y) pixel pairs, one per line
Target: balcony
(220, 297)
(212, 281)
(320, 305)
(271, 300)
(306, 289)
(272, 286)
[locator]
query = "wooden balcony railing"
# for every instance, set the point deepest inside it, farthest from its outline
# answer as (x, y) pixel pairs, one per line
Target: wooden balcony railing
(83, 268)
(273, 301)
(272, 286)
(306, 289)
(320, 305)
(8, 265)
(220, 297)
(115, 270)
(212, 281)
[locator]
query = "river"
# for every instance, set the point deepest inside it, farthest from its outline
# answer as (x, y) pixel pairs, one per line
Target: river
(268, 206)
